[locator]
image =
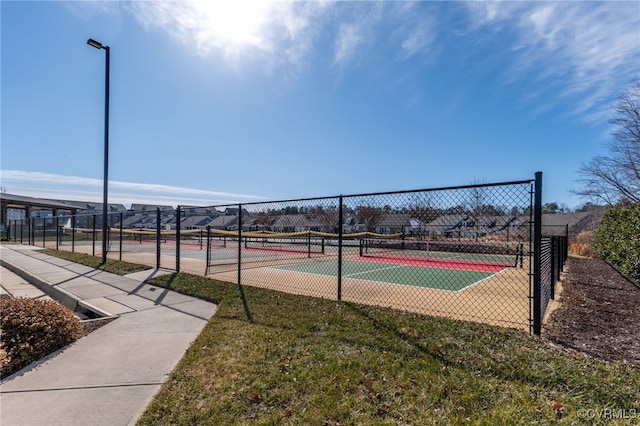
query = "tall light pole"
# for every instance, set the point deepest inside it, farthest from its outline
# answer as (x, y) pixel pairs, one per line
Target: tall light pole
(98, 45)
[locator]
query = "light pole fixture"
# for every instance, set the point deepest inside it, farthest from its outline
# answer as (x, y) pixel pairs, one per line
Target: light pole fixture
(91, 42)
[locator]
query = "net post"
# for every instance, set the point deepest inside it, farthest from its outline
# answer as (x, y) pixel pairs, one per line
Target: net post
(521, 254)
(178, 219)
(340, 208)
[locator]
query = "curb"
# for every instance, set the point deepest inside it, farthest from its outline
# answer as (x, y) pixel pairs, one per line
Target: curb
(60, 295)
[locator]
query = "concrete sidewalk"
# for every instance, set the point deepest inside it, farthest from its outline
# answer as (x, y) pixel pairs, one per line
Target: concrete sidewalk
(110, 376)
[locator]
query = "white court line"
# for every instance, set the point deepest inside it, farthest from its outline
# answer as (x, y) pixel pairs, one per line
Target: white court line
(485, 278)
(396, 267)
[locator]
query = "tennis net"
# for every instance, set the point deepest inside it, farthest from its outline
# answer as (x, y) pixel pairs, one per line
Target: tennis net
(447, 252)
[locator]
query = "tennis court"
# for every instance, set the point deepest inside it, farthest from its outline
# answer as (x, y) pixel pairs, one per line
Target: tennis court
(469, 280)
(408, 263)
(464, 252)
(383, 271)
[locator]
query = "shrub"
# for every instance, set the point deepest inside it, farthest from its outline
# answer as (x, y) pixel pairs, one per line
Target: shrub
(617, 239)
(32, 329)
(581, 244)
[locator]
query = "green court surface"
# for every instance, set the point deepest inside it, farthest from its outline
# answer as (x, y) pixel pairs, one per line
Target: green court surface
(420, 276)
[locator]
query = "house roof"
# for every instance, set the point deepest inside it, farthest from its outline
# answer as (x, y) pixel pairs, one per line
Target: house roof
(222, 221)
(563, 219)
(20, 201)
(149, 207)
(196, 221)
(397, 219)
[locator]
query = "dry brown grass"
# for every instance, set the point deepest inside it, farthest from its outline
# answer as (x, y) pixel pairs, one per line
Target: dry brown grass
(581, 244)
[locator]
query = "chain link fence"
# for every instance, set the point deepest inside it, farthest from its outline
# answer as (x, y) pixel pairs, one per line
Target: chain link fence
(473, 252)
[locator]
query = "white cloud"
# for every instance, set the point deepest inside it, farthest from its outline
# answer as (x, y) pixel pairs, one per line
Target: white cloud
(348, 40)
(416, 42)
(229, 27)
(287, 33)
(584, 52)
(54, 186)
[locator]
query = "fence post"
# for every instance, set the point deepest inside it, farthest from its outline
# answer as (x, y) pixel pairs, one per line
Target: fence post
(537, 260)
(178, 219)
(120, 245)
(44, 232)
(157, 237)
(566, 245)
(93, 237)
(73, 234)
(555, 259)
(239, 245)
(242, 295)
(208, 261)
(57, 233)
(340, 248)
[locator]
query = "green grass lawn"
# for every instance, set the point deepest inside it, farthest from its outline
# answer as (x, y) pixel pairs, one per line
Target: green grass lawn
(314, 361)
(320, 362)
(114, 266)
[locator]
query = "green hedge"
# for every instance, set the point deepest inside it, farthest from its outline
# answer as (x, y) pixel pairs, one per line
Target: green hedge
(617, 239)
(32, 329)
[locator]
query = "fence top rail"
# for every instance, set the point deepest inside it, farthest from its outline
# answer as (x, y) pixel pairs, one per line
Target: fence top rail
(335, 197)
(369, 194)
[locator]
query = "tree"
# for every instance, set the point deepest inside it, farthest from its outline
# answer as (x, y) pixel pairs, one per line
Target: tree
(616, 239)
(370, 217)
(329, 217)
(616, 176)
(267, 218)
(551, 208)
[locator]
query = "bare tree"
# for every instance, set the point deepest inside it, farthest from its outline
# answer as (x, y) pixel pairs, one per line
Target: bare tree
(266, 218)
(370, 217)
(616, 176)
(329, 217)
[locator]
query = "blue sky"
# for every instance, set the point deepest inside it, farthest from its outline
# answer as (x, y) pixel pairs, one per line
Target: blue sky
(216, 102)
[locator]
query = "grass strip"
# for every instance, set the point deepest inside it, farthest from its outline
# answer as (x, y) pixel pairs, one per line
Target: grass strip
(113, 266)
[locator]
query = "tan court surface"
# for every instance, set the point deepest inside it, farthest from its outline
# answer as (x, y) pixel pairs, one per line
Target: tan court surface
(502, 299)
